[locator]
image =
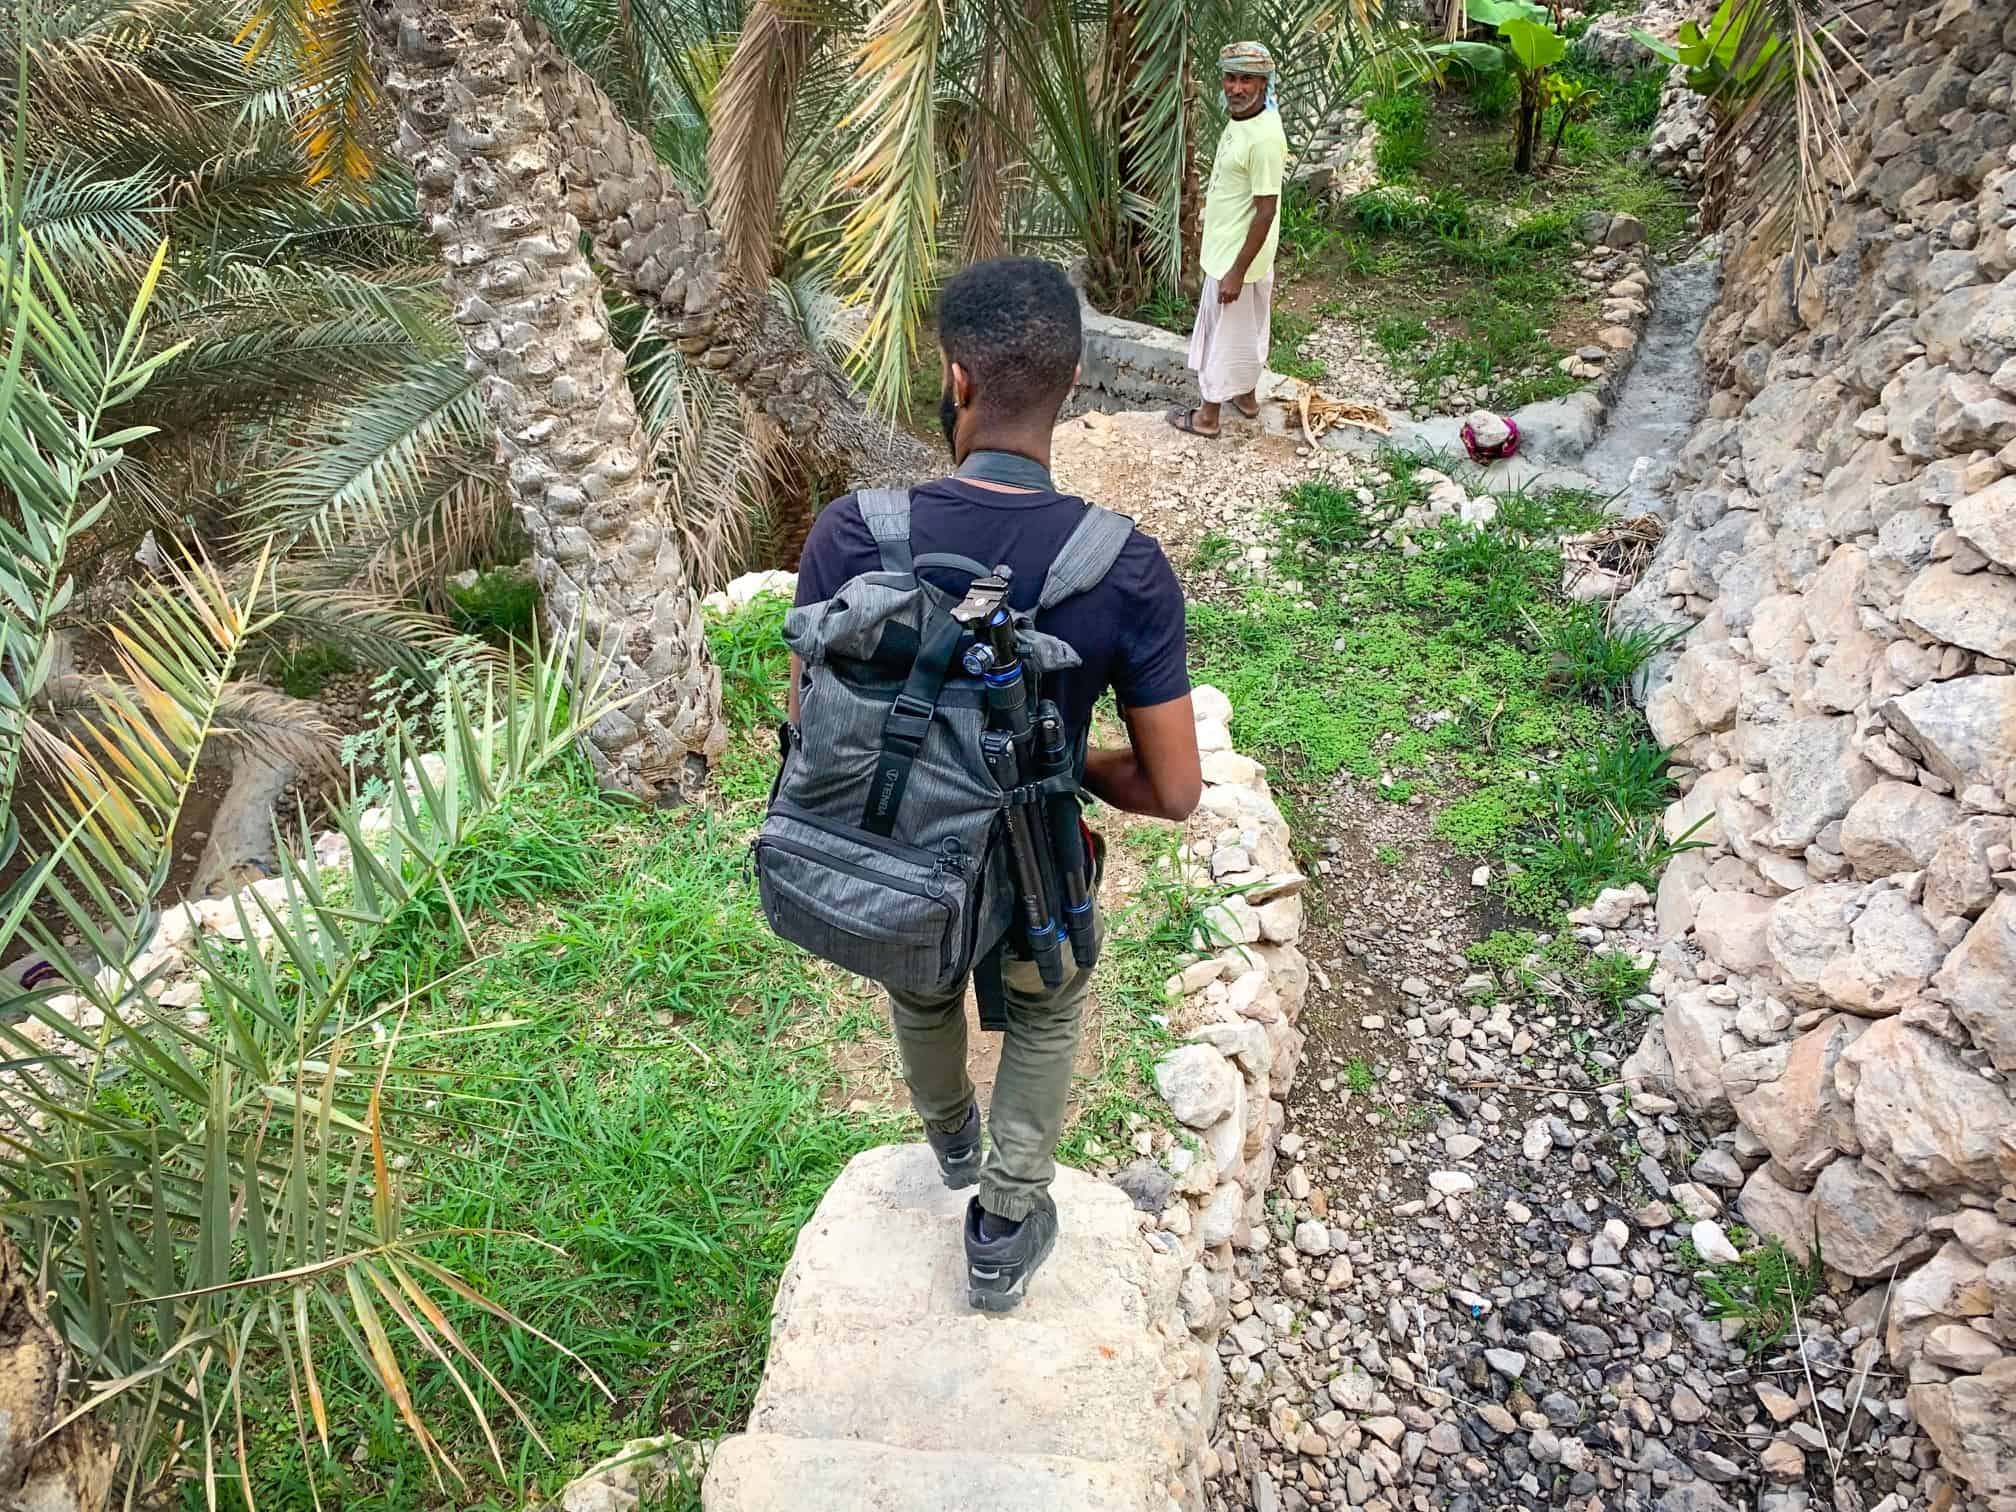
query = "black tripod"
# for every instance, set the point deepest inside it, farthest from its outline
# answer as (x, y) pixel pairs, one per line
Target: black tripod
(1031, 764)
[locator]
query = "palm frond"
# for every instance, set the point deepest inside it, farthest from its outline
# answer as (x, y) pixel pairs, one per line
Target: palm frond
(700, 446)
(1783, 99)
(352, 478)
(745, 149)
(87, 220)
(370, 628)
(1150, 80)
(338, 90)
(886, 243)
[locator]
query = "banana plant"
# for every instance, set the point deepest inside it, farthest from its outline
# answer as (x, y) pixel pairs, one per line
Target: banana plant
(1570, 102)
(1532, 47)
(203, 1196)
(1710, 56)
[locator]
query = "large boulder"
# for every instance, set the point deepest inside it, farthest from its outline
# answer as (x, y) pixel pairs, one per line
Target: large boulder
(1963, 728)
(1951, 1287)
(1924, 1118)
(1867, 1227)
(1972, 1419)
(1777, 1211)
(1694, 1027)
(1699, 696)
(1893, 955)
(1978, 982)
(1895, 827)
(1786, 1095)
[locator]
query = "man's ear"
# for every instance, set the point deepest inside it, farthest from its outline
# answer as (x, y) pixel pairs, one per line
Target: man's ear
(961, 387)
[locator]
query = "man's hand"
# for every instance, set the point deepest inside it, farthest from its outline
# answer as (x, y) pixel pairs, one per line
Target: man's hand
(1230, 287)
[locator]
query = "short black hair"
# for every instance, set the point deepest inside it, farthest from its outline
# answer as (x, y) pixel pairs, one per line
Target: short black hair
(1013, 324)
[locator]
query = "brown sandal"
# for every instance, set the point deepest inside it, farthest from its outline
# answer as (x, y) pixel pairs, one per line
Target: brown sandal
(1185, 420)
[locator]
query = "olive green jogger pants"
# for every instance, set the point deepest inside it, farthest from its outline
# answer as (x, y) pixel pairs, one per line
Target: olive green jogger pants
(1031, 1090)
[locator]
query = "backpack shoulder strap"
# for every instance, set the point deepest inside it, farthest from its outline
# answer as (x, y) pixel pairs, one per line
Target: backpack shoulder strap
(887, 513)
(1087, 555)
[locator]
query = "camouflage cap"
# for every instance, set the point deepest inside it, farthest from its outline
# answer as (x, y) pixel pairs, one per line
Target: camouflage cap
(1247, 58)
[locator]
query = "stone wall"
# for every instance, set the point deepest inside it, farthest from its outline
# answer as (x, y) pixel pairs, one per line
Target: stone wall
(1839, 973)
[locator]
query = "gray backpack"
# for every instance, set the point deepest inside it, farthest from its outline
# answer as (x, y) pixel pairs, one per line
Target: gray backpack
(880, 851)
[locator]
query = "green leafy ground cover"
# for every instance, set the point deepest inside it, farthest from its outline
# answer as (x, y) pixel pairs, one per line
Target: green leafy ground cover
(645, 1097)
(1460, 673)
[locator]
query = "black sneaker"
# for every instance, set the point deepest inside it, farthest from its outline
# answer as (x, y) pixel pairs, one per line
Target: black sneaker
(998, 1270)
(958, 1154)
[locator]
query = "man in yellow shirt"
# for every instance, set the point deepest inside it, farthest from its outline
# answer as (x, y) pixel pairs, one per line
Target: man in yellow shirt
(1242, 203)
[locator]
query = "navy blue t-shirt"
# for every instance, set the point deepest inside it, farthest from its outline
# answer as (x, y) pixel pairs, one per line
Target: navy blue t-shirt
(1128, 628)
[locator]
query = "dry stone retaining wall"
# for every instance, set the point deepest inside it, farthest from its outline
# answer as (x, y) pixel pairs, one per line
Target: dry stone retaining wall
(1839, 977)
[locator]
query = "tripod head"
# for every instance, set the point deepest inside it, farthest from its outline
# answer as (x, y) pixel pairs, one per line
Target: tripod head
(984, 614)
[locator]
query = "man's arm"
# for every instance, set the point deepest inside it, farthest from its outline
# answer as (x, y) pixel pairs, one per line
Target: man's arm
(1265, 208)
(1160, 773)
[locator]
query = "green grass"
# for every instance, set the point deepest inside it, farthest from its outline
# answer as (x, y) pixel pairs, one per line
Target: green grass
(1391, 855)
(1766, 1289)
(1358, 1076)
(1403, 145)
(1287, 333)
(1547, 773)
(501, 606)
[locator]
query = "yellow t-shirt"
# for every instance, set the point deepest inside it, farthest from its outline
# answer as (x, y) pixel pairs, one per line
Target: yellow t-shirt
(1251, 155)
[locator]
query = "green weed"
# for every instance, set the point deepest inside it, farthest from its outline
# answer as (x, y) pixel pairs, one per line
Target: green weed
(1390, 855)
(303, 671)
(1287, 333)
(1765, 1289)
(1358, 1076)
(1590, 659)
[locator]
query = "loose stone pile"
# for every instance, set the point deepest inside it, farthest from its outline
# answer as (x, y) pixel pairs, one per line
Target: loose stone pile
(1839, 972)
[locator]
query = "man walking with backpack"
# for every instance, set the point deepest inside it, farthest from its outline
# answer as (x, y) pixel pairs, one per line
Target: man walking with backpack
(890, 846)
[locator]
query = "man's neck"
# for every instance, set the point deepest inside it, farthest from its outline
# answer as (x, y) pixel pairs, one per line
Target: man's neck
(1248, 115)
(1034, 445)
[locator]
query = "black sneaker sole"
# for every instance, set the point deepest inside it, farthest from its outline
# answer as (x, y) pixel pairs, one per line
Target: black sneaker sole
(961, 1173)
(984, 1292)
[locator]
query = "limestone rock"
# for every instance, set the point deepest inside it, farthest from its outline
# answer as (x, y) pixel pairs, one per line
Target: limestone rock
(1865, 1225)
(1776, 1211)
(1808, 930)
(1923, 1117)
(1895, 827)
(1988, 521)
(1976, 610)
(1790, 1101)
(1198, 1083)
(1955, 1346)
(1969, 1419)
(1699, 696)
(1693, 1026)
(1894, 955)
(1962, 728)
(1732, 928)
(1978, 982)
(1815, 779)
(1951, 1287)
(1958, 880)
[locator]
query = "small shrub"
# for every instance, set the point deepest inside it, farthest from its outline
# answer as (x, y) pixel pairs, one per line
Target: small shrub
(1611, 978)
(1170, 309)
(1764, 1290)
(1308, 221)
(1492, 96)
(1581, 852)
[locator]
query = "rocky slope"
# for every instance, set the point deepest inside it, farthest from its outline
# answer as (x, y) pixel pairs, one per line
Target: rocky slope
(1839, 965)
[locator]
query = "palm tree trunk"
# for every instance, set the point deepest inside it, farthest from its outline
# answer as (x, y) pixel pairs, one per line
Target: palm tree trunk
(473, 125)
(74, 1470)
